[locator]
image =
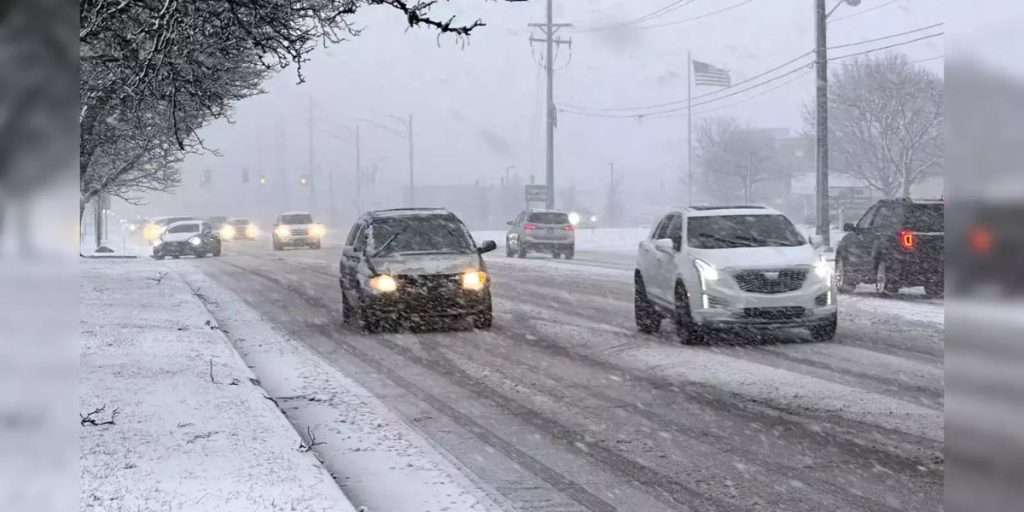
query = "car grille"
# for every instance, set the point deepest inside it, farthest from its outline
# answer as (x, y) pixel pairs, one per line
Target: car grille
(429, 284)
(429, 294)
(770, 281)
(299, 232)
(781, 313)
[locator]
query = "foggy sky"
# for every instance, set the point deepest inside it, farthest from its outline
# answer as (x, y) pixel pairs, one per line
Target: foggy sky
(479, 109)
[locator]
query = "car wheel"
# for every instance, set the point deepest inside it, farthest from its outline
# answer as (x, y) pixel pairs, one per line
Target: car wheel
(686, 329)
(315, 246)
(176, 256)
(483, 321)
(826, 330)
(570, 254)
(216, 252)
(347, 311)
(158, 256)
(844, 279)
(522, 250)
(885, 283)
(934, 290)
(508, 249)
(556, 255)
(648, 321)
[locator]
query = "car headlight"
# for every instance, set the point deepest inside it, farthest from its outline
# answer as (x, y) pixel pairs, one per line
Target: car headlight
(158, 242)
(706, 272)
(474, 280)
(227, 232)
(574, 218)
(383, 283)
(593, 218)
(283, 232)
(196, 241)
(823, 269)
(250, 231)
(317, 230)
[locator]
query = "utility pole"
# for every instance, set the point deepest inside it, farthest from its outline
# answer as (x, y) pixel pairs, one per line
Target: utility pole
(359, 176)
(312, 178)
(549, 28)
(412, 173)
(282, 168)
(821, 119)
(689, 129)
(747, 191)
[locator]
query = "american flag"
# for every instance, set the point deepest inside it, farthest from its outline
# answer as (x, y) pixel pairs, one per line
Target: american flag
(706, 74)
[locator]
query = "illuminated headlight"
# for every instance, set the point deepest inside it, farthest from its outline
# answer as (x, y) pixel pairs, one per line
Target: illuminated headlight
(474, 280)
(574, 218)
(823, 270)
(158, 242)
(283, 232)
(196, 241)
(706, 272)
(593, 218)
(317, 230)
(250, 231)
(227, 232)
(383, 283)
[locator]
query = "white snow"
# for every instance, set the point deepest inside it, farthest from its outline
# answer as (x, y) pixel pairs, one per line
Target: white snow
(379, 460)
(181, 439)
(615, 240)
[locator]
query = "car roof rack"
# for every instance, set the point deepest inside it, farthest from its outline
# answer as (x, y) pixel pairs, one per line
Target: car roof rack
(410, 210)
(728, 207)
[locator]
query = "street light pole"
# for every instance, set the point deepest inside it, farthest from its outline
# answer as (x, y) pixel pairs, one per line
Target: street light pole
(821, 118)
(412, 174)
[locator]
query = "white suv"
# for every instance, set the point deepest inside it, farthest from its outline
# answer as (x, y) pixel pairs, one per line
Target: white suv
(736, 266)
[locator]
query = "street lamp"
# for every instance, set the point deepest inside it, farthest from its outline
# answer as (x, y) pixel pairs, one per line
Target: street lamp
(821, 14)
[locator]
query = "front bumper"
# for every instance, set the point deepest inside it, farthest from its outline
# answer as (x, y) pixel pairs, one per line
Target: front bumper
(298, 241)
(813, 304)
(180, 249)
(407, 303)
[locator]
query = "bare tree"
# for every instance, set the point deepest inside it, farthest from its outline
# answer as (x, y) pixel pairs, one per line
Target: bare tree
(886, 122)
(736, 159)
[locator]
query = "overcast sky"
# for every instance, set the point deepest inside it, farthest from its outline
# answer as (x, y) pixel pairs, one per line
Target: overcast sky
(479, 109)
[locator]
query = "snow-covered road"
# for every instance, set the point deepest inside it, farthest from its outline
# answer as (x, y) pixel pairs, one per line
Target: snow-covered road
(564, 406)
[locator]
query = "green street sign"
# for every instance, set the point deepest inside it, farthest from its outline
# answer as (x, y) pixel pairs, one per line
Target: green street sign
(536, 193)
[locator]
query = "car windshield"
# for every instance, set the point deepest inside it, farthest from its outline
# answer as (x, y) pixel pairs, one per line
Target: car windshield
(731, 231)
(548, 218)
(184, 228)
(297, 218)
(419, 235)
(239, 222)
(926, 217)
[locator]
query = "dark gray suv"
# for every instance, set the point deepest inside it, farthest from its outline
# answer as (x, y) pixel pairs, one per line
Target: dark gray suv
(544, 231)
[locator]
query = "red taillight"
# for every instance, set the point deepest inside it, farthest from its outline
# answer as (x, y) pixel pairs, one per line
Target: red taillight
(980, 239)
(907, 239)
(570, 227)
(529, 226)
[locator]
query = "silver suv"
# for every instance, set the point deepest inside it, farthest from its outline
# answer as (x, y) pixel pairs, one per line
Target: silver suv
(544, 231)
(732, 267)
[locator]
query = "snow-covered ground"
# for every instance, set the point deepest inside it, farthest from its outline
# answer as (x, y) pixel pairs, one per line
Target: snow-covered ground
(191, 426)
(378, 459)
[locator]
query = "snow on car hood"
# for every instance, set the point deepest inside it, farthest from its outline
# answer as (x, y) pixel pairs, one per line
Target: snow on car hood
(758, 257)
(421, 264)
(177, 237)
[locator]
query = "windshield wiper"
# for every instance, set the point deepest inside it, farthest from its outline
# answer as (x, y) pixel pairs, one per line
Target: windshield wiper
(734, 242)
(389, 240)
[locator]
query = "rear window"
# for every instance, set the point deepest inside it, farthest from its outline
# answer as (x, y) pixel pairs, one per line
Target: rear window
(928, 218)
(731, 231)
(299, 218)
(548, 218)
(239, 222)
(184, 228)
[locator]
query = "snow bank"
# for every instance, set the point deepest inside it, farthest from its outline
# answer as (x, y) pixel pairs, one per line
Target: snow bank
(378, 459)
(193, 430)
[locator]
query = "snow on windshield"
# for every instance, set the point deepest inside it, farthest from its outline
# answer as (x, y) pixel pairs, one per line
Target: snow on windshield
(730, 231)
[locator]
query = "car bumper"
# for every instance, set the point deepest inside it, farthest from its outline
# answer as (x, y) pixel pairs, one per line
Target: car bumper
(299, 241)
(548, 245)
(180, 249)
(437, 305)
(811, 305)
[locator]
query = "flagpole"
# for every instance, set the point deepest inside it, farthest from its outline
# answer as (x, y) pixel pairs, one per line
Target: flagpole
(689, 129)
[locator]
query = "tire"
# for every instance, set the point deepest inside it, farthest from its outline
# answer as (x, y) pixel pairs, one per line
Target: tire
(158, 256)
(315, 246)
(845, 281)
(522, 250)
(935, 290)
(369, 322)
(216, 252)
(688, 332)
(483, 321)
(347, 311)
(885, 285)
(277, 245)
(556, 255)
(200, 255)
(826, 330)
(648, 321)
(508, 249)
(176, 256)
(570, 254)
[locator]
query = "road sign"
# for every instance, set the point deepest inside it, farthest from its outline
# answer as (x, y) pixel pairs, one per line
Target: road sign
(536, 193)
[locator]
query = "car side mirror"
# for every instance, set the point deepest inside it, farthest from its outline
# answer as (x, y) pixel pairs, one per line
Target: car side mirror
(665, 245)
(511, 223)
(816, 241)
(349, 252)
(487, 246)
(849, 227)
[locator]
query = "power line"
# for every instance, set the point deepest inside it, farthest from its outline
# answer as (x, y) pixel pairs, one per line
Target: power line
(676, 5)
(865, 52)
(695, 18)
(744, 100)
(927, 59)
(759, 75)
(862, 11)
